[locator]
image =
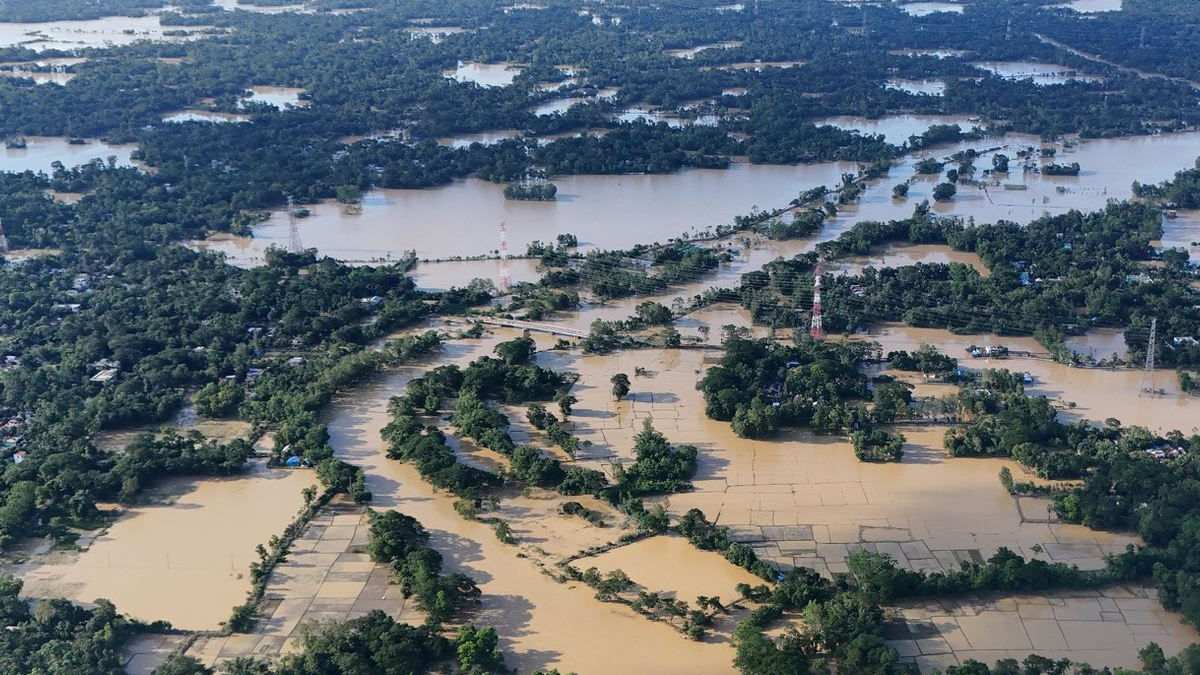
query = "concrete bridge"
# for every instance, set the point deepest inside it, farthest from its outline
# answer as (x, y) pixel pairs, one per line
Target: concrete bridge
(533, 327)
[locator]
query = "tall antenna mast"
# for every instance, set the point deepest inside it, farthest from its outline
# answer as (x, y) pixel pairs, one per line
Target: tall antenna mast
(818, 328)
(294, 244)
(1148, 373)
(505, 272)
(3, 240)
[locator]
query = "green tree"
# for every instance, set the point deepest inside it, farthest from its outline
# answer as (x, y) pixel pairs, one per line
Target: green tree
(620, 385)
(944, 192)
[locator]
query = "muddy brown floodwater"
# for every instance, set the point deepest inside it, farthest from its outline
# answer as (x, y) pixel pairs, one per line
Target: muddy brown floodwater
(40, 152)
(620, 211)
(541, 623)
(186, 559)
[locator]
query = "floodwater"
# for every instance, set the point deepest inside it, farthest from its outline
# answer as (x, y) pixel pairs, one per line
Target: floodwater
(484, 74)
(1183, 231)
(896, 128)
(56, 75)
(1084, 393)
(482, 138)
(907, 254)
(619, 211)
(230, 5)
(603, 211)
(556, 105)
(205, 116)
(41, 152)
(1109, 167)
(927, 8)
(633, 115)
(935, 53)
(436, 34)
(655, 565)
(186, 561)
(757, 65)
(111, 31)
(1093, 6)
(1099, 343)
(691, 52)
(538, 620)
(1041, 73)
(280, 97)
(441, 276)
(918, 87)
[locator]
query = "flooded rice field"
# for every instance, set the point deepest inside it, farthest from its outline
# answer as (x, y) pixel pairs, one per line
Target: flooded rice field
(184, 557)
(655, 564)
(537, 618)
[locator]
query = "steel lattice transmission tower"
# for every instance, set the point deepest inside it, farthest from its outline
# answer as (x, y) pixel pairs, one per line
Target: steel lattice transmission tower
(818, 328)
(1148, 373)
(3, 240)
(294, 243)
(505, 272)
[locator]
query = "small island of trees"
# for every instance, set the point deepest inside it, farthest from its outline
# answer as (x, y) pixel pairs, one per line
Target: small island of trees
(531, 192)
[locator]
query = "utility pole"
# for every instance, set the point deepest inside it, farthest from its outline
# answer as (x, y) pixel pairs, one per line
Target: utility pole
(1148, 373)
(818, 328)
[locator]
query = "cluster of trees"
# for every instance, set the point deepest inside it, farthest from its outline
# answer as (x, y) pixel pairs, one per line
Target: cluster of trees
(1182, 191)
(878, 445)
(374, 643)
(1052, 169)
(1125, 486)
(170, 320)
(658, 466)
(761, 387)
(532, 192)
(707, 536)
(56, 636)
(401, 542)
(1055, 274)
(1004, 572)
(509, 378)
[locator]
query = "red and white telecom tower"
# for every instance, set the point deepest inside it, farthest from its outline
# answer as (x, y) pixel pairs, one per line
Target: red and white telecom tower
(818, 329)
